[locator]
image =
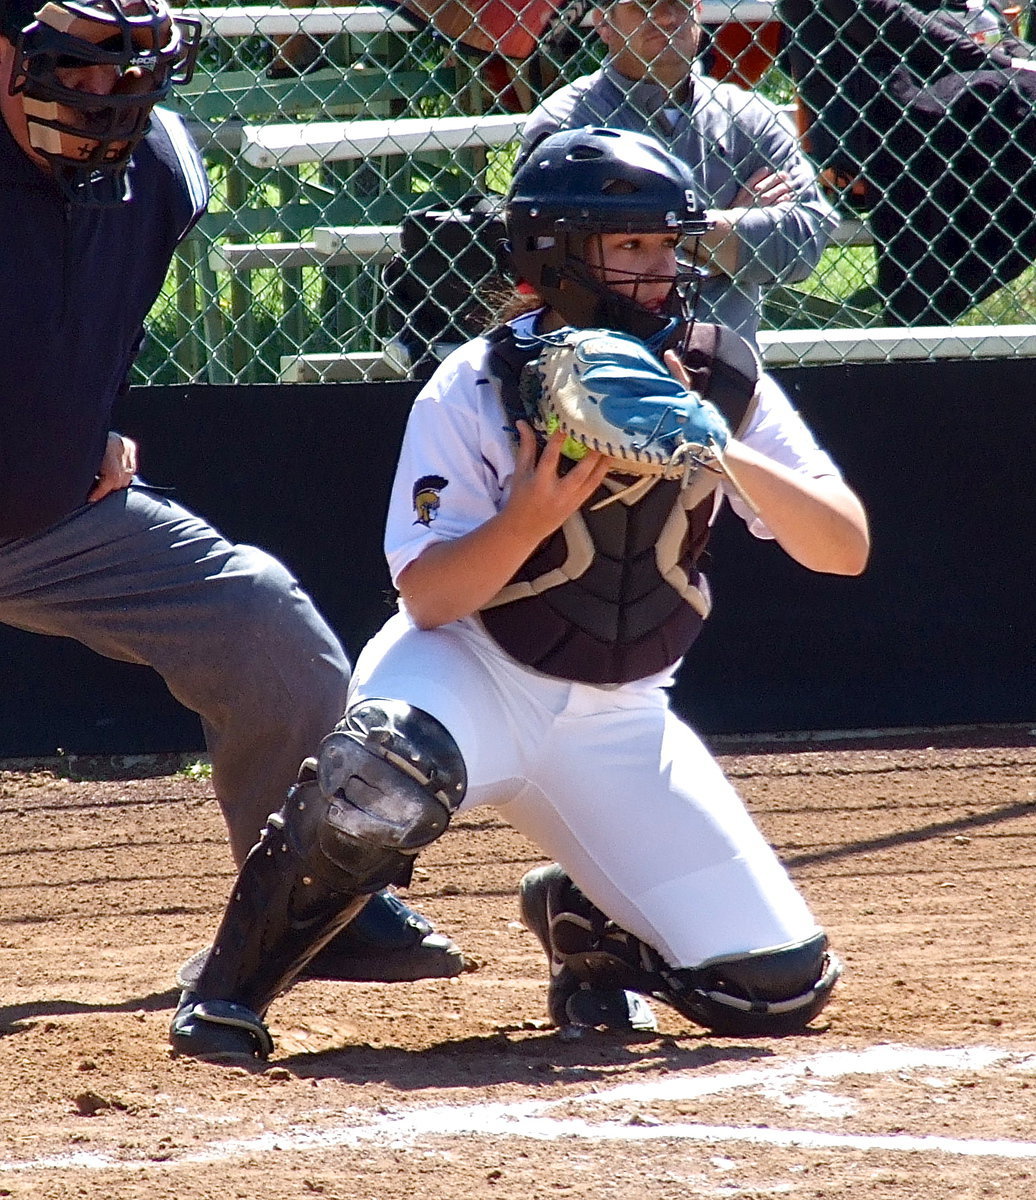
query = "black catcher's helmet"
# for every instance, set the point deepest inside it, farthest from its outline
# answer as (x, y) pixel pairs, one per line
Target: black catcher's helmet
(88, 138)
(585, 181)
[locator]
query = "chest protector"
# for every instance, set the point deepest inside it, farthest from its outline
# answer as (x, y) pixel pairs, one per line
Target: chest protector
(615, 594)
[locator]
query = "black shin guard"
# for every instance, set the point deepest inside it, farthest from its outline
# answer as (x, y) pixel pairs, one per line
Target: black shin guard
(286, 904)
(384, 784)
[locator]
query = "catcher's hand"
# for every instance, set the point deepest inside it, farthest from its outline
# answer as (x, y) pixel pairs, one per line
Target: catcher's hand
(609, 393)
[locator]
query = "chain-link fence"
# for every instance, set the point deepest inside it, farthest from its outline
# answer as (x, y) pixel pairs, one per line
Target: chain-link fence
(325, 129)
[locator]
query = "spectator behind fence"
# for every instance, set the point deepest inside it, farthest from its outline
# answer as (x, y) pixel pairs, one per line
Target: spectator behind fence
(771, 220)
(935, 133)
(96, 198)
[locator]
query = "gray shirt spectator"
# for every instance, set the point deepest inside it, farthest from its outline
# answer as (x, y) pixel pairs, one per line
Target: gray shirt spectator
(771, 220)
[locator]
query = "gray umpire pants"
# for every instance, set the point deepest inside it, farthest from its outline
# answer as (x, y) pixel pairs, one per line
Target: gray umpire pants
(137, 577)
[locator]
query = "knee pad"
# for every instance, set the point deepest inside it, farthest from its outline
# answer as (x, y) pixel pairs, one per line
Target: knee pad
(767, 993)
(392, 777)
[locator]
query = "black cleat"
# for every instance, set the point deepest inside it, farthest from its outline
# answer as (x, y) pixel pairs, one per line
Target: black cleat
(574, 1004)
(218, 1031)
(388, 942)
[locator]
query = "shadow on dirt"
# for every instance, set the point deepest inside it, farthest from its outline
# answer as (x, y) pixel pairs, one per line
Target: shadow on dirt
(937, 829)
(16, 1018)
(509, 1055)
(513, 1056)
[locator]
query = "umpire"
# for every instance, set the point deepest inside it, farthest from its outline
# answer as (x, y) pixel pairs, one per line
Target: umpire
(99, 187)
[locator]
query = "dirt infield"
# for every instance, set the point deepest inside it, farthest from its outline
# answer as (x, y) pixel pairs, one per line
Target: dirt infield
(917, 852)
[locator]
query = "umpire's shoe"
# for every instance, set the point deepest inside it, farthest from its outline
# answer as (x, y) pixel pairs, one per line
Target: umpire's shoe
(386, 942)
(565, 922)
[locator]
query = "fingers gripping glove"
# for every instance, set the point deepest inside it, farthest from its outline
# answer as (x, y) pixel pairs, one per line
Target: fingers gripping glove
(609, 393)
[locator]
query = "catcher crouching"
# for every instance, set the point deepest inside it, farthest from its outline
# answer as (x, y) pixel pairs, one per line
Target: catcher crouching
(554, 495)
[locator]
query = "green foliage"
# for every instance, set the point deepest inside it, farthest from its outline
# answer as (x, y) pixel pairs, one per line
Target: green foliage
(198, 770)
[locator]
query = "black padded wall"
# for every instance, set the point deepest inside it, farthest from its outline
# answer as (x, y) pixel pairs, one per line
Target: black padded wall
(938, 631)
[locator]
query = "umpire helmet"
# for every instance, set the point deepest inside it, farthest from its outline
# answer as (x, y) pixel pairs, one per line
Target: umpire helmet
(86, 136)
(588, 181)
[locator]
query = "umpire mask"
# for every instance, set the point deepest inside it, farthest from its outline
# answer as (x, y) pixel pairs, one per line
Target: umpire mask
(90, 72)
(585, 182)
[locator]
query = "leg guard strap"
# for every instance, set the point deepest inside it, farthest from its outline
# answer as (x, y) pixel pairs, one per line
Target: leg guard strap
(218, 1029)
(771, 992)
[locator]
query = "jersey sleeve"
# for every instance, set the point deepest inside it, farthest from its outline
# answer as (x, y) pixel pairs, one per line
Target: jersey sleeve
(455, 463)
(779, 432)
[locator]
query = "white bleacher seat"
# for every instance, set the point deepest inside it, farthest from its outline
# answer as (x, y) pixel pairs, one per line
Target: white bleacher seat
(358, 243)
(340, 368)
(335, 141)
(345, 246)
(257, 256)
(276, 20)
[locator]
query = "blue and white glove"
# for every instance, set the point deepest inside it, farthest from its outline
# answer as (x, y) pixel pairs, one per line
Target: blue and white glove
(609, 393)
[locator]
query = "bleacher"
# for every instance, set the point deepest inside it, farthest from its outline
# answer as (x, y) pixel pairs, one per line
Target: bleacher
(340, 146)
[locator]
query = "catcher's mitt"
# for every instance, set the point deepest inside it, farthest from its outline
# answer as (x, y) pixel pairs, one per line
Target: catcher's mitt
(609, 393)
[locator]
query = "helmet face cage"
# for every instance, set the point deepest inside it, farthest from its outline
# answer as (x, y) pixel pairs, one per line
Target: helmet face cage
(579, 183)
(88, 138)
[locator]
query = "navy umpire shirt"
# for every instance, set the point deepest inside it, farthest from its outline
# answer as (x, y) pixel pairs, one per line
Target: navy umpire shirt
(77, 283)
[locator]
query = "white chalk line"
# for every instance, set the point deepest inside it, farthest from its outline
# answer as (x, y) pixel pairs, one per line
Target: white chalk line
(531, 1119)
